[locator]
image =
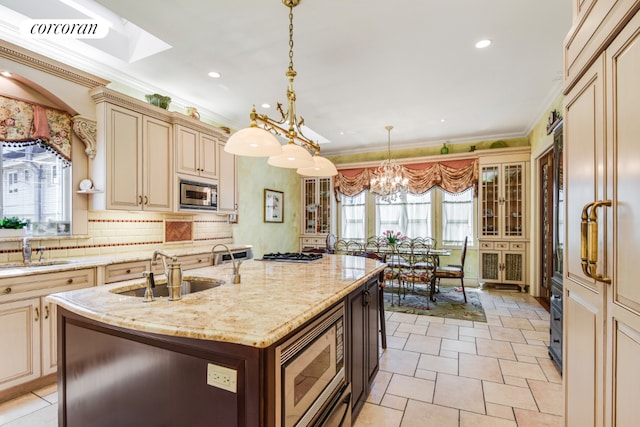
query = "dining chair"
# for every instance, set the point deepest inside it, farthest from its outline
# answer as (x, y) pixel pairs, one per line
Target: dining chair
(421, 268)
(453, 271)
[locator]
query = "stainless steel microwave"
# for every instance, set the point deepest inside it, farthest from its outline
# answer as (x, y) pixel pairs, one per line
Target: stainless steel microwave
(198, 195)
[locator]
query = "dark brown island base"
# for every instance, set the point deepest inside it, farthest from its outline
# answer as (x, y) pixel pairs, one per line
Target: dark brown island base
(292, 344)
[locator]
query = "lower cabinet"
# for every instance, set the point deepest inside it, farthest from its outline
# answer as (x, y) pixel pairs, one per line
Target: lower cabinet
(503, 262)
(362, 341)
(28, 329)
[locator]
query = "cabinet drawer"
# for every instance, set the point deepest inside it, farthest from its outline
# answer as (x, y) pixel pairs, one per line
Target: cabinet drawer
(486, 245)
(518, 246)
(502, 245)
(125, 271)
(556, 317)
(195, 261)
(43, 284)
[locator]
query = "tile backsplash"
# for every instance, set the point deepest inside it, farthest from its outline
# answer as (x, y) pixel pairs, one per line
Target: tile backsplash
(113, 232)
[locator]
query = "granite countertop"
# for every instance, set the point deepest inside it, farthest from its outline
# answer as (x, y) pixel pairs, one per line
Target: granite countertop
(13, 269)
(274, 299)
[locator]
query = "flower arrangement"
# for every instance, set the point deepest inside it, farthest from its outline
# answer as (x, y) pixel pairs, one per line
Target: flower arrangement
(13, 223)
(393, 237)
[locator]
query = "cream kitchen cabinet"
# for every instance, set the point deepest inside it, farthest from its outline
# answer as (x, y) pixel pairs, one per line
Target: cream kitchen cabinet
(195, 152)
(316, 215)
(28, 323)
(227, 181)
(135, 164)
(503, 218)
(601, 314)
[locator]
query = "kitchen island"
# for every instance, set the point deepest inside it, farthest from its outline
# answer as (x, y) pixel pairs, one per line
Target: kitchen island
(209, 358)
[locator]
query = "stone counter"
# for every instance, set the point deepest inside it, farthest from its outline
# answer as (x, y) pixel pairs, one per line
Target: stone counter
(274, 299)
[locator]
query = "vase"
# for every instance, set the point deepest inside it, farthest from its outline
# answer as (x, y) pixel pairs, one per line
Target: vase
(444, 149)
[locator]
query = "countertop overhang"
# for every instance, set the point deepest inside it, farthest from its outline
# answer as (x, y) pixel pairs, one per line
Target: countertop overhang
(274, 299)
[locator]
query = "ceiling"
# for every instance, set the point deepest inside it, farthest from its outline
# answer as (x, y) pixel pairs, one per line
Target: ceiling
(361, 64)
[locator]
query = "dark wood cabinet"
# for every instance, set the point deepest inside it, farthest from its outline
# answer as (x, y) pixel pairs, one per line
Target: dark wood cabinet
(362, 341)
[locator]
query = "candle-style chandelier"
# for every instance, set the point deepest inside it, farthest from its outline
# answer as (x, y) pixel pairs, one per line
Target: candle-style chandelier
(256, 141)
(388, 181)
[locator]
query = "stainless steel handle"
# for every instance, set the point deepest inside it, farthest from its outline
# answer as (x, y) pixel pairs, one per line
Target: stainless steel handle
(589, 240)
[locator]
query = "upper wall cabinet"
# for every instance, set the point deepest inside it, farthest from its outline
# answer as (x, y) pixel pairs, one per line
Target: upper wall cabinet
(141, 148)
(195, 153)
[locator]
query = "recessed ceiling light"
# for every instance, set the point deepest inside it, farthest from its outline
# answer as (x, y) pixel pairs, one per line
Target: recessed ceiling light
(5, 73)
(265, 105)
(442, 120)
(214, 74)
(483, 43)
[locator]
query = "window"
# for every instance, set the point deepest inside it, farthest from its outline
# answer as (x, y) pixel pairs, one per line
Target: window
(410, 214)
(44, 198)
(457, 218)
(352, 226)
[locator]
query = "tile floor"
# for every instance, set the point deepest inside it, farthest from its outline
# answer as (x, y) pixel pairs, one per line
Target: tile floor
(434, 372)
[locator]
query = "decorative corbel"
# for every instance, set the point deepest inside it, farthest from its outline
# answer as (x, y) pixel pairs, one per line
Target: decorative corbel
(86, 130)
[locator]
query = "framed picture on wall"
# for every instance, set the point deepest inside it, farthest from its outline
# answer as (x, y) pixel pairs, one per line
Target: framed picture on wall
(273, 206)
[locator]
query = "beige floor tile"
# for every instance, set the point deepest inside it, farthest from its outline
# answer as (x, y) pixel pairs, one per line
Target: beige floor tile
(548, 396)
(506, 334)
(526, 359)
(516, 323)
(524, 313)
(491, 348)
(379, 387)
(497, 311)
(47, 390)
(508, 395)
(459, 346)
(403, 317)
(469, 419)
(450, 354)
(467, 339)
(438, 364)
(423, 344)
(479, 367)
(522, 370)
(500, 411)
(45, 417)
(537, 343)
(426, 374)
(536, 335)
(443, 331)
(399, 362)
(550, 370)
(394, 402)
(411, 388)
(391, 326)
(378, 416)
(396, 342)
(399, 334)
(480, 325)
(493, 320)
(458, 392)
(540, 325)
(474, 332)
(421, 414)
(459, 322)
(21, 406)
(544, 315)
(425, 320)
(516, 381)
(536, 419)
(412, 329)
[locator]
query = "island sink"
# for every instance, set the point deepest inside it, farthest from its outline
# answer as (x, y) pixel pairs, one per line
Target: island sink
(189, 286)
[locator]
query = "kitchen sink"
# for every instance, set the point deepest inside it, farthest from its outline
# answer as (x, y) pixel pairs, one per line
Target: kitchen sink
(22, 264)
(189, 286)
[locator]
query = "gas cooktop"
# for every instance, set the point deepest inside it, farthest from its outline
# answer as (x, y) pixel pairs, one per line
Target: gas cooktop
(291, 257)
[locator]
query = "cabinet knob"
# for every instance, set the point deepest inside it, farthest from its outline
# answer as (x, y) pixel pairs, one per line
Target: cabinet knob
(557, 319)
(128, 270)
(556, 341)
(199, 260)
(7, 290)
(69, 281)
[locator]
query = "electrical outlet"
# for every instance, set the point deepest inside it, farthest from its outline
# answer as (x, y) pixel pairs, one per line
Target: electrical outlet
(221, 377)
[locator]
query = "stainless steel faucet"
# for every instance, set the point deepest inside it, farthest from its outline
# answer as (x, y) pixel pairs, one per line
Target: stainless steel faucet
(173, 271)
(235, 278)
(26, 250)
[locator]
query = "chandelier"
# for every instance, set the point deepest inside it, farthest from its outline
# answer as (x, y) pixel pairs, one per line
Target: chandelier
(258, 139)
(388, 181)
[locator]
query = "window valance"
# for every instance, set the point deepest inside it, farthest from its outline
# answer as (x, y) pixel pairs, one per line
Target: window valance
(452, 176)
(22, 122)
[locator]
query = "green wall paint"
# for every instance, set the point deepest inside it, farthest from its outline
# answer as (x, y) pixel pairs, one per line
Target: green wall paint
(538, 134)
(254, 175)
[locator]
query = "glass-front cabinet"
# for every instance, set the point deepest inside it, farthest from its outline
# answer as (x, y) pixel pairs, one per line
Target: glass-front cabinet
(316, 213)
(503, 218)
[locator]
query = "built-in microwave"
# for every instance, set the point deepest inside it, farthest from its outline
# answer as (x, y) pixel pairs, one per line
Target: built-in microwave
(198, 195)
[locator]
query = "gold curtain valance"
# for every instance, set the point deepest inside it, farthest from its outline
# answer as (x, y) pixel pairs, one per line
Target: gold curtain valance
(22, 122)
(453, 176)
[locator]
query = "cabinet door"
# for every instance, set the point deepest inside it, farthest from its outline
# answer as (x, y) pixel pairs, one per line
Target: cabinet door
(372, 327)
(490, 197)
(584, 298)
(357, 338)
(623, 245)
(20, 338)
(207, 156)
(227, 185)
(513, 200)
(49, 337)
(124, 159)
(186, 150)
(158, 165)
(490, 266)
(513, 266)
(323, 213)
